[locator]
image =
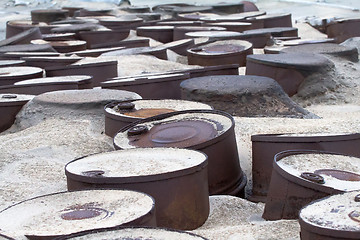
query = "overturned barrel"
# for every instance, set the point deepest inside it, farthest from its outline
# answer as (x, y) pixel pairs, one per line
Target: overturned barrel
(302, 176)
(209, 131)
(65, 213)
(176, 178)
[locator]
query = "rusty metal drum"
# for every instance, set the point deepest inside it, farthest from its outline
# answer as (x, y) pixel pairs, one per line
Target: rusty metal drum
(161, 33)
(209, 131)
(331, 218)
(120, 114)
(266, 146)
(49, 15)
(48, 62)
(98, 37)
(157, 86)
(11, 75)
(276, 20)
(302, 176)
(10, 105)
(176, 178)
(65, 213)
(100, 71)
(288, 69)
(343, 29)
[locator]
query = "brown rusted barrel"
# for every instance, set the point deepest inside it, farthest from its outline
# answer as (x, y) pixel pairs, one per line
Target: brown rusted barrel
(11, 63)
(288, 69)
(220, 52)
(343, 29)
(176, 178)
(228, 8)
(162, 33)
(19, 55)
(139, 233)
(49, 15)
(64, 46)
(24, 37)
(227, 69)
(276, 31)
(346, 52)
(302, 176)
(11, 75)
(120, 114)
(113, 23)
(209, 131)
(48, 84)
(10, 105)
(276, 20)
(158, 52)
(331, 218)
(59, 36)
(124, 43)
(266, 146)
(99, 70)
(166, 86)
(65, 213)
(14, 27)
(98, 37)
(46, 62)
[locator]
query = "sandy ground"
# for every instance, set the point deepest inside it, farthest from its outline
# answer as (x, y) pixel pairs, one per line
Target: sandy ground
(33, 153)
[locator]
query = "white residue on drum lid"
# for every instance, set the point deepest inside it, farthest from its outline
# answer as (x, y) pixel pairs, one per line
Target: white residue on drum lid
(333, 212)
(42, 216)
(220, 123)
(297, 164)
(18, 71)
(138, 162)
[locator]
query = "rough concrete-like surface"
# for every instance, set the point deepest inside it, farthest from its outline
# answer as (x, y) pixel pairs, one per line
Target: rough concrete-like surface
(243, 96)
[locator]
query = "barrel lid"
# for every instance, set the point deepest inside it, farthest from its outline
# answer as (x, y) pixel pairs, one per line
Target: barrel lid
(222, 47)
(8, 63)
(56, 80)
(337, 171)
(67, 213)
(7, 72)
(337, 216)
(149, 108)
(146, 79)
(330, 48)
(69, 60)
(30, 54)
(10, 98)
(155, 28)
(200, 28)
(230, 24)
(85, 96)
(181, 129)
(59, 43)
(213, 34)
(137, 164)
(305, 61)
(135, 233)
(271, 30)
(273, 16)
